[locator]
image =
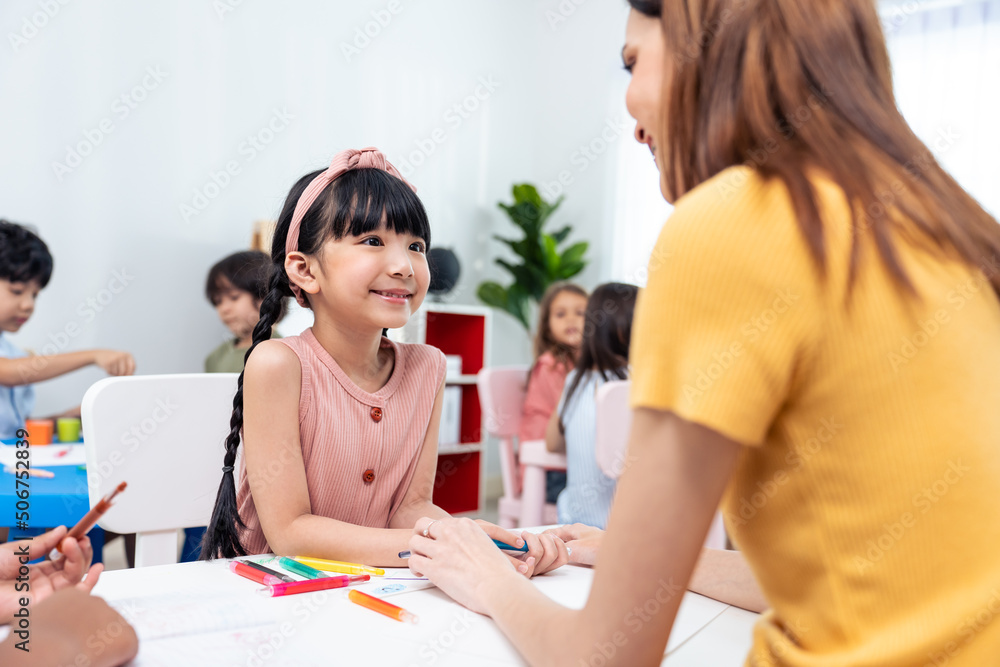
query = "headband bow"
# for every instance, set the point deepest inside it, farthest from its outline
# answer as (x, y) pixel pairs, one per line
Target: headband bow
(345, 160)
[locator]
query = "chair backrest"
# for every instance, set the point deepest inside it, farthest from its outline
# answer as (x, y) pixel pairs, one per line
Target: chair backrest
(614, 422)
(501, 393)
(165, 436)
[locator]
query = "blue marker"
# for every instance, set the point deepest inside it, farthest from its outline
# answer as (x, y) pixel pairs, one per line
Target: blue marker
(502, 545)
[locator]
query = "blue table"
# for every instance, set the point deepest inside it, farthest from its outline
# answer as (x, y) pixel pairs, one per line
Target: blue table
(59, 501)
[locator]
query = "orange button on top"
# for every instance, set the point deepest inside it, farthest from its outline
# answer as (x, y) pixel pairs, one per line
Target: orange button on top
(369, 475)
(377, 414)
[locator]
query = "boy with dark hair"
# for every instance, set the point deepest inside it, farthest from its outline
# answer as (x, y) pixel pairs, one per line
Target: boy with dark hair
(25, 269)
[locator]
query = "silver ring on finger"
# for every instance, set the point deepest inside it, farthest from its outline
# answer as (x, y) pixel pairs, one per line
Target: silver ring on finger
(427, 529)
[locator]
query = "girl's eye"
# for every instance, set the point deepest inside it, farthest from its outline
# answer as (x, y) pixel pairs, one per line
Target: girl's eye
(372, 241)
(628, 66)
(417, 246)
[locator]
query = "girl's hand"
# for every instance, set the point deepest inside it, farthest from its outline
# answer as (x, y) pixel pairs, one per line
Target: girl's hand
(545, 552)
(583, 541)
(114, 362)
(458, 556)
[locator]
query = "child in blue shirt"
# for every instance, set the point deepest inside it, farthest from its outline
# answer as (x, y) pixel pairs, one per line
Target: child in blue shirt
(603, 356)
(25, 269)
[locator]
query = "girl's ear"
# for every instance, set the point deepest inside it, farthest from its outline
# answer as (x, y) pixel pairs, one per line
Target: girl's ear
(300, 272)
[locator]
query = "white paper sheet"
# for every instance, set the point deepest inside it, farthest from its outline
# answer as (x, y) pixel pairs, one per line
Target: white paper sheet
(45, 456)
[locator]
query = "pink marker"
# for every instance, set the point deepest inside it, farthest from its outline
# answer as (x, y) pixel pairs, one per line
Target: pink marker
(310, 585)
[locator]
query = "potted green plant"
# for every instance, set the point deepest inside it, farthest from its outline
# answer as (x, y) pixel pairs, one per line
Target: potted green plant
(541, 262)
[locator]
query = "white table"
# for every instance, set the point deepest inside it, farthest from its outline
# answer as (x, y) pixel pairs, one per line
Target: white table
(327, 629)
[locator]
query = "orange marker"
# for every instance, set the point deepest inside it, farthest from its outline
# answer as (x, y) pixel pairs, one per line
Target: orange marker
(381, 606)
(88, 520)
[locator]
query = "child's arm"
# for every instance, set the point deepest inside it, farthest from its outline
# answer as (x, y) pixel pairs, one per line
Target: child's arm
(418, 499)
(28, 370)
(555, 441)
(273, 454)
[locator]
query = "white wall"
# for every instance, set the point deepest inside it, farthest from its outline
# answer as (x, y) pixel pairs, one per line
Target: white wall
(199, 81)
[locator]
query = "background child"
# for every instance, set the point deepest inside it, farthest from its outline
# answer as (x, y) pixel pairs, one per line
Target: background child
(25, 269)
(603, 356)
(236, 286)
(340, 424)
(560, 328)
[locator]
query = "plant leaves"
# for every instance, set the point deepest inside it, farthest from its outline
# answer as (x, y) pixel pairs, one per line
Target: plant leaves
(561, 235)
(567, 271)
(550, 255)
(574, 253)
(492, 294)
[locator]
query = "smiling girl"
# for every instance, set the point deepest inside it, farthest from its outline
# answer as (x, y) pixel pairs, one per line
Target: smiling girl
(340, 424)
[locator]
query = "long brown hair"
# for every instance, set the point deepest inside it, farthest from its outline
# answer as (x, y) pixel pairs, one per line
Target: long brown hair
(785, 85)
(607, 334)
(545, 341)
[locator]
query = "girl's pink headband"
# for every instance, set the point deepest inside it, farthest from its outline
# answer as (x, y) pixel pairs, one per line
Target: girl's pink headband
(366, 158)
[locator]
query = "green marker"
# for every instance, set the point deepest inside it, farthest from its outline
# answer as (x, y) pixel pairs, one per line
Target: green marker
(300, 569)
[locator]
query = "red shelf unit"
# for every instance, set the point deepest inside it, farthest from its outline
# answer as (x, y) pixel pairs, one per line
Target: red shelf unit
(461, 331)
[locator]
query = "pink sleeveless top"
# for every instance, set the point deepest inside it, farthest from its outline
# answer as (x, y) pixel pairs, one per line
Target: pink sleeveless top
(360, 450)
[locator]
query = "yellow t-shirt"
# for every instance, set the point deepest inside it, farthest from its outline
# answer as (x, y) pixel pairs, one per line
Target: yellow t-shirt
(866, 496)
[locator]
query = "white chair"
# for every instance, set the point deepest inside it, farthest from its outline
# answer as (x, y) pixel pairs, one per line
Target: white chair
(165, 436)
(501, 393)
(614, 422)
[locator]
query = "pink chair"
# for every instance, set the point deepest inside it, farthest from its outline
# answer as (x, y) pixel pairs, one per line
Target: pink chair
(501, 392)
(614, 421)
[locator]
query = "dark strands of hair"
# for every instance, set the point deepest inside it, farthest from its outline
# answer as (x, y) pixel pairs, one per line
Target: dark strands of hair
(544, 340)
(738, 73)
(23, 255)
(249, 271)
(607, 334)
(358, 202)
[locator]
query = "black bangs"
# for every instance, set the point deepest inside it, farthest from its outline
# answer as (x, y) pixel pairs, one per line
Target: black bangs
(363, 198)
(23, 256)
(650, 8)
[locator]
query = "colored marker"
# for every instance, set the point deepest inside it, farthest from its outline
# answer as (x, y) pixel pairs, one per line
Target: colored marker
(381, 606)
(502, 545)
(88, 520)
(310, 585)
(339, 566)
(31, 472)
(253, 574)
(281, 576)
(300, 569)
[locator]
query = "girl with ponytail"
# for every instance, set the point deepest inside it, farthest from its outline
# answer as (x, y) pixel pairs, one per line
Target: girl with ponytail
(339, 425)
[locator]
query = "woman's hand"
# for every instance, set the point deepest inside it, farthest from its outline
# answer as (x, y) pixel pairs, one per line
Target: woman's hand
(458, 556)
(47, 577)
(583, 542)
(545, 552)
(72, 627)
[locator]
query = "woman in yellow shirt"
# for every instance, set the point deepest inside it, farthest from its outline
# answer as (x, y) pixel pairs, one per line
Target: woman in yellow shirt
(818, 347)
